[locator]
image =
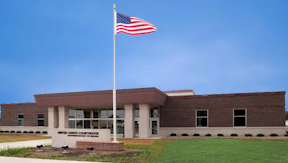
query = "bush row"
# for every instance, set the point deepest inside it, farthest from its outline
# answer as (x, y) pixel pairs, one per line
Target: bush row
(25, 132)
(233, 135)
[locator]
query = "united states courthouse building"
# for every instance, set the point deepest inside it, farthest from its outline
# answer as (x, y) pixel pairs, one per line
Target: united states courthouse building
(148, 112)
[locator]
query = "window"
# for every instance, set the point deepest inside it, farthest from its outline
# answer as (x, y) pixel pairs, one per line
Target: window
(201, 118)
(40, 119)
(154, 112)
(20, 119)
(101, 118)
(239, 117)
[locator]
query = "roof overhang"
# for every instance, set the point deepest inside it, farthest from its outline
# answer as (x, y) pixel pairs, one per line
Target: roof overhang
(153, 96)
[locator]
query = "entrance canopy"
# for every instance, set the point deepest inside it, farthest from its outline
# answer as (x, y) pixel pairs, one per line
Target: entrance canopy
(153, 96)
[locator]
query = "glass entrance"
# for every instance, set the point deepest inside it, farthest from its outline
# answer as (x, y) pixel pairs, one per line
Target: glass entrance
(154, 127)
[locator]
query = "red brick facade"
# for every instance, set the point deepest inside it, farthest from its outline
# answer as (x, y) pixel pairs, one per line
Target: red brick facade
(263, 109)
(30, 110)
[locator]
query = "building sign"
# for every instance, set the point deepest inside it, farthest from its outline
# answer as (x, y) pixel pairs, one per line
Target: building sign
(79, 134)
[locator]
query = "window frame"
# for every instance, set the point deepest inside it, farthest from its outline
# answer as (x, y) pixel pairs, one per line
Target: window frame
(20, 119)
(40, 119)
(240, 116)
(201, 117)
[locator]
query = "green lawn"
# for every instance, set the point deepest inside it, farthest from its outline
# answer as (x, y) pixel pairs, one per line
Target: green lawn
(225, 150)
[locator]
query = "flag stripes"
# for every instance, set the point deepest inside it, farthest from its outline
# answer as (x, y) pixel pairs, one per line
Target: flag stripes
(133, 26)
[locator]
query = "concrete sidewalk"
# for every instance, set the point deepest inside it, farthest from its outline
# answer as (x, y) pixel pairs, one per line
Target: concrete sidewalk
(28, 143)
(34, 160)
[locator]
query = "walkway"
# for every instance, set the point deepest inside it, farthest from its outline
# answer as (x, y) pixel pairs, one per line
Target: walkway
(28, 143)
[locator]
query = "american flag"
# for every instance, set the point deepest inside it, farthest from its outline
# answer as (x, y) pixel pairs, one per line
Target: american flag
(133, 26)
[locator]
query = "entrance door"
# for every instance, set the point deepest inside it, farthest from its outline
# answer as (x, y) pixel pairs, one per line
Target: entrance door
(154, 127)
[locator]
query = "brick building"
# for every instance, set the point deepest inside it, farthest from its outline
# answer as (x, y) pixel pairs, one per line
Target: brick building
(148, 112)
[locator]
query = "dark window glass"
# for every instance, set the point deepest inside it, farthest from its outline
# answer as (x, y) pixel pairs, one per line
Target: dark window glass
(72, 113)
(239, 112)
(110, 126)
(20, 115)
(87, 114)
(201, 122)
(136, 127)
(120, 127)
(87, 124)
(239, 121)
(21, 122)
(103, 124)
(79, 124)
(95, 124)
(71, 124)
(201, 113)
(95, 113)
(40, 115)
(40, 122)
(154, 113)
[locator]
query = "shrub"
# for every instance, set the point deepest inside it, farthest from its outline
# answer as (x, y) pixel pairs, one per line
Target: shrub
(185, 134)
(208, 135)
(173, 134)
(1, 131)
(31, 132)
(220, 135)
(44, 132)
(196, 135)
(248, 134)
(273, 134)
(286, 135)
(260, 135)
(18, 132)
(25, 132)
(234, 134)
(12, 131)
(6, 131)
(38, 132)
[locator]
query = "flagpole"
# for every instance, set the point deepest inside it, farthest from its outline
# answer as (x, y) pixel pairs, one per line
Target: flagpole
(114, 90)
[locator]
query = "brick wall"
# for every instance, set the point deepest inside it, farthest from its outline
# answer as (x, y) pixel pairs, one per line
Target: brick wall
(263, 109)
(30, 110)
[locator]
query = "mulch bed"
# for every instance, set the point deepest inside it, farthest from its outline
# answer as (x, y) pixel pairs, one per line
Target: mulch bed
(226, 137)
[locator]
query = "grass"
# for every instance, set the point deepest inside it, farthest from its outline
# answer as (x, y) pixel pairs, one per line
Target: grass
(12, 138)
(182, 150)
(17, 152)
(224, 150)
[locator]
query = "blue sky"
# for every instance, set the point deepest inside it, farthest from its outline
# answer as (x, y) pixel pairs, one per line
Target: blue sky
(210, 46)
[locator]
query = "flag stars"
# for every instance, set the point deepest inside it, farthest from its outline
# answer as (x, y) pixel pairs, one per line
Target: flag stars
(123, 18)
